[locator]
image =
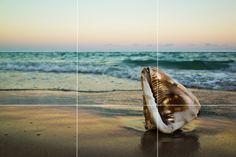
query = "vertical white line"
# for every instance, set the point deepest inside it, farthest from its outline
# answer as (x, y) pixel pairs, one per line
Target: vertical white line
(77, 78)
(157, 38)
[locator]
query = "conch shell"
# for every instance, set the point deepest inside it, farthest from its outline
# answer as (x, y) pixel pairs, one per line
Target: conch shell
(168, 105)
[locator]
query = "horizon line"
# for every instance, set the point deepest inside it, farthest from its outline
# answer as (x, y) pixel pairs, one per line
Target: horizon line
(135, 51)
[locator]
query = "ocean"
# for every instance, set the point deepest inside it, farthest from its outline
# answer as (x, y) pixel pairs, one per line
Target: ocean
(59, 70)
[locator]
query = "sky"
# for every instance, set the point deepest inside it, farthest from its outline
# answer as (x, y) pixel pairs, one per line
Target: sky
(197, 25)
(38, 25)
(118, 25)
(110, 25)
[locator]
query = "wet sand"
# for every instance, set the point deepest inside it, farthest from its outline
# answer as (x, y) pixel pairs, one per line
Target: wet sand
(110, 124)
(122, 136)
(37, 131)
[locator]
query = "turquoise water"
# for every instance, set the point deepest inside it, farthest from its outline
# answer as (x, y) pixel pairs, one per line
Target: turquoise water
(31, 70)
(58, 70)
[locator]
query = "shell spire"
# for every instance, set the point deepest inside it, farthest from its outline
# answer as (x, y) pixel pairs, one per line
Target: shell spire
(167, 105)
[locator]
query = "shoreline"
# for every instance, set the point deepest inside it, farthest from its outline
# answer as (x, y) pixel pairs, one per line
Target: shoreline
(196, 91)
(88, 83)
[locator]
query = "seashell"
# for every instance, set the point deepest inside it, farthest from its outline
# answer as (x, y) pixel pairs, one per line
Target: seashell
(168, 105)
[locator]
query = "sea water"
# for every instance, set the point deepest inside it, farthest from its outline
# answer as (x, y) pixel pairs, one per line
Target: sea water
(59, 70)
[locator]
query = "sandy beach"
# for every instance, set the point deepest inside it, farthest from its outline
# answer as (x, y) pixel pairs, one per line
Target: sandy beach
(110, 123)
(37, 131)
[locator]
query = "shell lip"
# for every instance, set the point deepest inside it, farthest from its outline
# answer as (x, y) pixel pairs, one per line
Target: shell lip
(146, 70)
(146, 74)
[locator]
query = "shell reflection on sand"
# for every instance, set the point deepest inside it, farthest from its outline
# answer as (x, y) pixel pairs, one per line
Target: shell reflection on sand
(169, 145)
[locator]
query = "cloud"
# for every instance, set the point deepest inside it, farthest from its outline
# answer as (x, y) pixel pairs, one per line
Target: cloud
(169, 45)
(211, 45)
(135, 45)
(150, 45)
